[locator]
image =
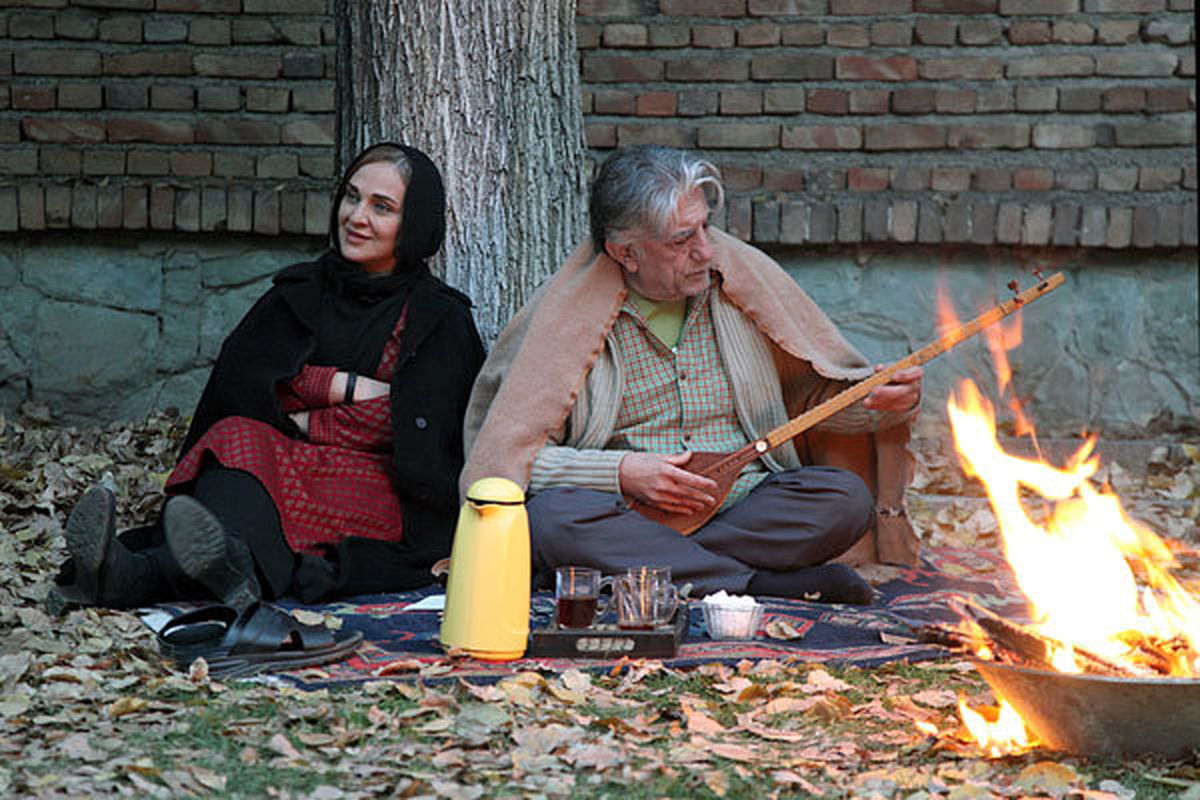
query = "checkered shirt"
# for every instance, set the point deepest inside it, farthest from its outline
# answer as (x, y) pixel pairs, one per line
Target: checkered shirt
(678, 399)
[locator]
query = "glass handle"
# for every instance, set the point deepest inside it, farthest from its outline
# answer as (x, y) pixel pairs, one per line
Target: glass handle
(603, 600)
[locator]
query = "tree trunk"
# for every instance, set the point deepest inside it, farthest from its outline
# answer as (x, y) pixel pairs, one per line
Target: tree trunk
(490, 90)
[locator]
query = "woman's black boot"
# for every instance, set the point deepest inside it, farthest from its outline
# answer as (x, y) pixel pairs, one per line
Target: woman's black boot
(203, 550)
(105, 572)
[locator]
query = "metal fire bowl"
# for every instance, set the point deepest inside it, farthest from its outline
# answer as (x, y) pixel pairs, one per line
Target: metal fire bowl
(1099, 715)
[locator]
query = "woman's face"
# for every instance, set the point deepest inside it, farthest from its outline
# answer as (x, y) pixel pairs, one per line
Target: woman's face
(369, 217)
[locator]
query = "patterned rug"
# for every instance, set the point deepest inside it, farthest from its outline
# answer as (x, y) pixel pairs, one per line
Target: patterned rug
(403, 644)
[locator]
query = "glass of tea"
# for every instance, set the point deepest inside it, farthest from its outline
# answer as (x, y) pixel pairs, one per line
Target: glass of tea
(645, 597)
(577, 600)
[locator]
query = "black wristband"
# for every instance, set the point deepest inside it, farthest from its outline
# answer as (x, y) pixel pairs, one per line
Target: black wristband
(351, 379)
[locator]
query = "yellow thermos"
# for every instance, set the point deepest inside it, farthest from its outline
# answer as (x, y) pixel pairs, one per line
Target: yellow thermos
(487, 590)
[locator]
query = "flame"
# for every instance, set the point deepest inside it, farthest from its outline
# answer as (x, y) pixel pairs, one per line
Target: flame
(1099, 581)
(1080, 566)
(1001, 732)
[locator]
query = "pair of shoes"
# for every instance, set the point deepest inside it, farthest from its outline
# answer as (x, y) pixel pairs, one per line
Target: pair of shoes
(261, 638)
(204, 552)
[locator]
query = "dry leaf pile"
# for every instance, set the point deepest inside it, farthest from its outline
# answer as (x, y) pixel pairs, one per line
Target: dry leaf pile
(88, 709)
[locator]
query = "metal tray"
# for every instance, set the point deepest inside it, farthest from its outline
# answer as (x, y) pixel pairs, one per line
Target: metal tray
(606, 640)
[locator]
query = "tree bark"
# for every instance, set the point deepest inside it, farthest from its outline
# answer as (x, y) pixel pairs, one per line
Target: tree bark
(490, 90)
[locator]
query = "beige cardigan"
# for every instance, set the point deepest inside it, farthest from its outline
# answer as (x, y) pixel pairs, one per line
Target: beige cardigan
(783, 353)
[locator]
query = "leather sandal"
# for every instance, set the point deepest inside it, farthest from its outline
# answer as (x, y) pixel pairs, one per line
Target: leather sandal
(260, 639)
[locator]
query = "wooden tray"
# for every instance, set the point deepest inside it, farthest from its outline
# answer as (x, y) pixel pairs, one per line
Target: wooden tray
(605, 640)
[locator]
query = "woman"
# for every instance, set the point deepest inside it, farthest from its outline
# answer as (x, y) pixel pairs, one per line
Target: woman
(323, 457)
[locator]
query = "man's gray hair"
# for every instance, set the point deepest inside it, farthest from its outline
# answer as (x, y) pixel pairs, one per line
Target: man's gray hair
(638, 188)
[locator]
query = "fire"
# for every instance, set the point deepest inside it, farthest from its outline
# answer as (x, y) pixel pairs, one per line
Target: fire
(1099, 581)
(1005, 734)
(1080, 567)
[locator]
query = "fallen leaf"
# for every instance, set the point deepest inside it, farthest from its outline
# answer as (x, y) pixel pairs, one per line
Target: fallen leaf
(284, 747)
(821, 681)
(936, 698)
(791, 778)
(717, 782)
(14, 705)
(779, 628)
(398, 666)
(830, 707)
(198, 671)
(307, 617)
(208, 779)
(1047, 776)
(576, 680)
(734, 752)
(789, 705)
(699, 722)
(456, 791)
(12, 668)
(755, 691)
(594, 756)
(566, 695)
(125, 705)
(485, 694)
(78, 746)
(1117, 789)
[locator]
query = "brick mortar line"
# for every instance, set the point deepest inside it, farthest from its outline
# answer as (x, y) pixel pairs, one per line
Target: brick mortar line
(589, 19)
(944, 197)
(136, 48)
(915, 50)
(893, 118)
(848, 84)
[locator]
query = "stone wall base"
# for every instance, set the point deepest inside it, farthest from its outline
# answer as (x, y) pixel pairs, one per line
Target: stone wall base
(107, 326)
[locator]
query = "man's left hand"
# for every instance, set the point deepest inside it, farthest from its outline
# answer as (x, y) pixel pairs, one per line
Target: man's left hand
(901, 393)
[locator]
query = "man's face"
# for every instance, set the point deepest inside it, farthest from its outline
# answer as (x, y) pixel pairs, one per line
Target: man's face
(672, 265)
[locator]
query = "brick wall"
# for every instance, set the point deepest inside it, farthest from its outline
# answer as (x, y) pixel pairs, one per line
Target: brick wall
(167, 115)
(1062, 122)
(1013, 122)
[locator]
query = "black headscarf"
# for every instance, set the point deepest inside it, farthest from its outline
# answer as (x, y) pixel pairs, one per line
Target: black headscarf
(359, 310)
(423, 219)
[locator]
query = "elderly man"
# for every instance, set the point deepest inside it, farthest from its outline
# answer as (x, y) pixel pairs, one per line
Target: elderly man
(663, 337)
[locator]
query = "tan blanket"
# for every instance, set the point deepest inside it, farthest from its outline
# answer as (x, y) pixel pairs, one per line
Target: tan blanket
(531, 379)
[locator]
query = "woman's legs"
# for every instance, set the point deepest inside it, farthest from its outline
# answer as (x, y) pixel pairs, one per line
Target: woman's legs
(208, 544)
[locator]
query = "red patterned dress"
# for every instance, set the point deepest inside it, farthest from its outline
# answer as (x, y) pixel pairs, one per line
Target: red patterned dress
(336, 483)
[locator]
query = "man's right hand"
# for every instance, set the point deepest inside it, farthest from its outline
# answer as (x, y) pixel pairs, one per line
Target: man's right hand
(661, 481)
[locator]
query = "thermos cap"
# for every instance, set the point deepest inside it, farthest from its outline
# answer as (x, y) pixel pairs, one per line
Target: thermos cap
(500, 491)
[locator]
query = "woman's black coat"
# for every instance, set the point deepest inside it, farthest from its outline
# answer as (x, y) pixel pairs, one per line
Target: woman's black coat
(440, 356)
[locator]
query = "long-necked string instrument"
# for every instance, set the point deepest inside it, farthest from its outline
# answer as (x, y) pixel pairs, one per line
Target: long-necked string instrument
(724, 468)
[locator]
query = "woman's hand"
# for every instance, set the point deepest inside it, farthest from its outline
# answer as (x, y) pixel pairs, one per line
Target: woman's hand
(365, 388)
(661, 481)
(901, 393)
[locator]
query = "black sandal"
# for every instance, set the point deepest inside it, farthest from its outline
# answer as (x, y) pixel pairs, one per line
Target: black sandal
(260, 639)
